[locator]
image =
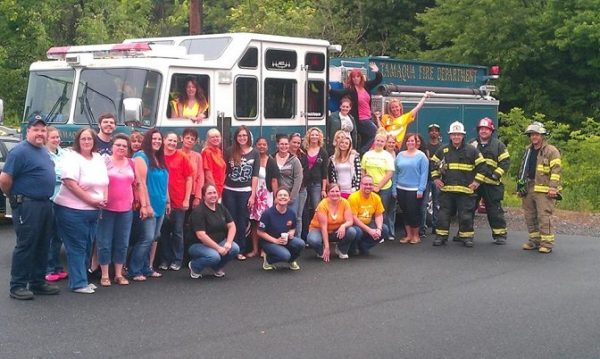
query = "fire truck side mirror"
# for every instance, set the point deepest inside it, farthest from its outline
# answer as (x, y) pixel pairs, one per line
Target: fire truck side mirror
(132, 111)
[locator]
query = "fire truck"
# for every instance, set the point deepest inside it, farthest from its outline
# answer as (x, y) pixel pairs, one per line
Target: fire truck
(271, 84)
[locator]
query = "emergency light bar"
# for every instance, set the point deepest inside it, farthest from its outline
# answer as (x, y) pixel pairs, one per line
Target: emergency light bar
(98, 51)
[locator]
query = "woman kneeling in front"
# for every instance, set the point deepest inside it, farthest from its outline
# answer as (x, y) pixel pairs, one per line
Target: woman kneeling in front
(332, 223)
(276, 230)
(214, 228)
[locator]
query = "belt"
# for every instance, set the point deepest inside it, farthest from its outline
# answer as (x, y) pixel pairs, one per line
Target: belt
(19, 198)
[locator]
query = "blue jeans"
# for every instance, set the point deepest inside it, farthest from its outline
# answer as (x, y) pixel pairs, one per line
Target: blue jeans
(237, 205)
(139, 263)
(301, 204)
(389, 204)
(315, 240)
(32, 221)
(279, 253)
(367, 130)
(78, 230)
(55, 243)
(203, 256)
(112, 237)
(171, 246)
(313, 198)
(364, 241)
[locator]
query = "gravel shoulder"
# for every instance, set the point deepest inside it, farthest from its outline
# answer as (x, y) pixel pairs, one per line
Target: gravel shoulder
(565, 222)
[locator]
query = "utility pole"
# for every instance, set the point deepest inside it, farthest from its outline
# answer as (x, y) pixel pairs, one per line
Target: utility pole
(195, 17)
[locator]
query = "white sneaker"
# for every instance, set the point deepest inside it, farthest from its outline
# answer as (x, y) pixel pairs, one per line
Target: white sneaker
(174, 267)
(84, 290)
(193, 274)
(218, 273)
(340, 254)
(92, 286)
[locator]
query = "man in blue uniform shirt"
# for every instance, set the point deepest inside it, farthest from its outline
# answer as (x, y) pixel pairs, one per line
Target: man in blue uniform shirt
(28, 181)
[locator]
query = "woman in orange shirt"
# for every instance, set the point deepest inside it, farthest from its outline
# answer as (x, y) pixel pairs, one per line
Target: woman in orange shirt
(213, 161)
(332, 222)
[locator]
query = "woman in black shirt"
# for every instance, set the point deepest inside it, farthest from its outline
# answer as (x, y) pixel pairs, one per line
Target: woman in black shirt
(241, 180)
(214, 228)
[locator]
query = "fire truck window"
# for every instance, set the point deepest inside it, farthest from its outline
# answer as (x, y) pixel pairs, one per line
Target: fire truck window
(316, 100)
(280, 98)
(281, 60)
(315, 61)
(246, 98)
(189, 97)
(250, 59)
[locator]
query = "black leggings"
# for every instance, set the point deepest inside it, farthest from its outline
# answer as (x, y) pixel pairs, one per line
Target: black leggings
(411, 207)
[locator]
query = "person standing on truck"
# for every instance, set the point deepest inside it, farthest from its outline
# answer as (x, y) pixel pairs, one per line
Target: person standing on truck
(458, 169)
(106, 127)
(491, 189)
(341, 120)
(396, 121)
(28, 181)
(358, 90)
(539, 188)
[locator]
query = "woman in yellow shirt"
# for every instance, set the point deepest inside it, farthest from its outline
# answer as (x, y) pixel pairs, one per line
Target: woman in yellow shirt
(332, 222)
(192, 104)
(395, 122)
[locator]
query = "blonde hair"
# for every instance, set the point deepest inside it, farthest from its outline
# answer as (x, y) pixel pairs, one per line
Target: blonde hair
(209, 133)
(306, 140)
(338, 156)
(394, 100)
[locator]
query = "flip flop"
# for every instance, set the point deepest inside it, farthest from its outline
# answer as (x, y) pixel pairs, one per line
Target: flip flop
(139, 278)
(241, 257)
(155, 275)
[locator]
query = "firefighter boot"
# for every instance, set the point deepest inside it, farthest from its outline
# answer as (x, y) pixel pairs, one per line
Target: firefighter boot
(439, 241)
(500, 240)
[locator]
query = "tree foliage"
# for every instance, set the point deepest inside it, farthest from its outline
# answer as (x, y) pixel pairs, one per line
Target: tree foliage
(548, 50)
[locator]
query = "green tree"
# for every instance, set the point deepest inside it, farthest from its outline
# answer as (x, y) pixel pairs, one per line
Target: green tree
(281, 17)
(548, 50)
(29, 28)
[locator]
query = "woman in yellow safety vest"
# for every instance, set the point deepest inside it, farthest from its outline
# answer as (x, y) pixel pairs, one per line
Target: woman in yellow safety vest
(193, 104)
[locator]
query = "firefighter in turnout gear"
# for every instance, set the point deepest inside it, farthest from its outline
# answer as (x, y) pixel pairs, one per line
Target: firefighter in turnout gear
(458, 169)
(539, 187)
(491, 189)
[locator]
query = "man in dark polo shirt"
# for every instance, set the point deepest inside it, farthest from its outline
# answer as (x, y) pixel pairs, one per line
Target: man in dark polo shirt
(28, 181)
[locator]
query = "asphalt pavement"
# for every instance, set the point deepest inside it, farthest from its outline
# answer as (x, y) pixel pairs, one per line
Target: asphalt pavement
(403, 301)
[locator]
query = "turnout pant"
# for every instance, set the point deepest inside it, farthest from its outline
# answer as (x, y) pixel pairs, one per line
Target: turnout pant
(538, 209)
(493, 196)
(450, 203)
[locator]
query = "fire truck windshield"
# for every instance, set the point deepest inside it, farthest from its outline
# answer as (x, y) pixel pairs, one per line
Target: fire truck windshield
(49, 94)
(103, 90)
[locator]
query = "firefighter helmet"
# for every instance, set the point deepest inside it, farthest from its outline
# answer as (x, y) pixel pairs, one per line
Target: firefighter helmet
(536, 127)
(486, 122)
(457, 127)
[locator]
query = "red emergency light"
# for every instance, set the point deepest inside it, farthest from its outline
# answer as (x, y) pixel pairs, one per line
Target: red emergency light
(495, 70)
(133, 49)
